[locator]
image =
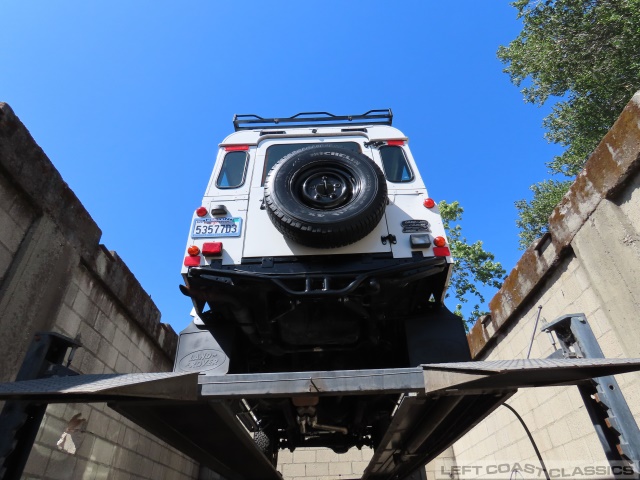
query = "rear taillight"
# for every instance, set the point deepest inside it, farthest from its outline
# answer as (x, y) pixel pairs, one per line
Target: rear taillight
(429, 203)
(395, 143)
(193, 250)
(441, 251)
(201, 211)
(212, 248)
(236, 148)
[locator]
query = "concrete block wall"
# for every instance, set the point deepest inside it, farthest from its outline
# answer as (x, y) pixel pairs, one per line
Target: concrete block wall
(588, 263)
(323, 464)
(55, 276)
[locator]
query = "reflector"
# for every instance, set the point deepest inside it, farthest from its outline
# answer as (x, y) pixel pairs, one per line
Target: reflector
(429, 203)
(191, 261)
(439, 241)
(212, 248)
(201, 211)
(193, 250)
(441, 251)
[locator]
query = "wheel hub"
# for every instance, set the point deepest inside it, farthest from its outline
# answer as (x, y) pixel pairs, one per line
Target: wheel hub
(327, 189)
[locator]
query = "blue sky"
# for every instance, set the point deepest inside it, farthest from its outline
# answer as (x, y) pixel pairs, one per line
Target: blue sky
(130, 99)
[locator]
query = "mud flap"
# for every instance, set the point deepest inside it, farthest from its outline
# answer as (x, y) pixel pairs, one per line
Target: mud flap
(437, 336)
(200, 351)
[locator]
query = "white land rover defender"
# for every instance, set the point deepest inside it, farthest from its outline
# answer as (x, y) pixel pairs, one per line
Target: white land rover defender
(317, 247)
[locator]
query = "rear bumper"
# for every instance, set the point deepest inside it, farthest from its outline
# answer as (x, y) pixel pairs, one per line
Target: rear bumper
(318, 277)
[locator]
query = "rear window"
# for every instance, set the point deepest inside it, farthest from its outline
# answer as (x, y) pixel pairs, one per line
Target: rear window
(278, 152)
(233, 171)
(395, 164)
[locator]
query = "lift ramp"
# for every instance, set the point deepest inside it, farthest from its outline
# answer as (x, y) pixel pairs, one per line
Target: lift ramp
(438, 403)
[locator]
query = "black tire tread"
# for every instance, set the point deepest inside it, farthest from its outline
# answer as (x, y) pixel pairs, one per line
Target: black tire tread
(329, 236)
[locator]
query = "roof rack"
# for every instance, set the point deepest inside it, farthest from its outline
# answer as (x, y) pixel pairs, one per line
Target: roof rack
(313, 119)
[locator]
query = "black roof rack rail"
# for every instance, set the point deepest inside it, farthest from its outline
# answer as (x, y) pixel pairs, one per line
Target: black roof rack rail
(319, 119)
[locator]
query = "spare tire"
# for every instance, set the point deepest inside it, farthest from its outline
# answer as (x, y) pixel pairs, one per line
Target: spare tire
(325, 196)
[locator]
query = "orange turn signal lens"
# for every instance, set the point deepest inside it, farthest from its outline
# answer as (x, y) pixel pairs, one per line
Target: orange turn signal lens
(193, 250)
(439, 241)
(429, 203)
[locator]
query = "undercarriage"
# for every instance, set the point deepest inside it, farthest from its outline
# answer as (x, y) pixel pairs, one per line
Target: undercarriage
(283, 315)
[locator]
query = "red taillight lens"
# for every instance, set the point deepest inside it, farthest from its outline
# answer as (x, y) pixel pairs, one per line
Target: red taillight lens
(201, 211)
(395, 143)
(236, 148)
(439, 241)
(191, 261)
(429, 203)
(212, 248)
(193, 250)
(441, 251)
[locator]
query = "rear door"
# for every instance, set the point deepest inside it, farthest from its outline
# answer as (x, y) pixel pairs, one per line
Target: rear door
(262, 238)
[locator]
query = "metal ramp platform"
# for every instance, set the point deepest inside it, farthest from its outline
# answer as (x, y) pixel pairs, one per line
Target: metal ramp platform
(438, 404)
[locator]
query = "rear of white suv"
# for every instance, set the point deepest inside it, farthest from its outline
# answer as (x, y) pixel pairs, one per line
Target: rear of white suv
(317, 247)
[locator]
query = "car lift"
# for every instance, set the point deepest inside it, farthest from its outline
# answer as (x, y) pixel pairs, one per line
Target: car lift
(438, 404)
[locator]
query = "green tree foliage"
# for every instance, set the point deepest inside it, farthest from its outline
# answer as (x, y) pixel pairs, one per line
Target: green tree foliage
(533, 216)
(474, 266)
(585, 51)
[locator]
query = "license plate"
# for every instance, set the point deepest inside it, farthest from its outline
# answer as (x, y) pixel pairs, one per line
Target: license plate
(216, 227)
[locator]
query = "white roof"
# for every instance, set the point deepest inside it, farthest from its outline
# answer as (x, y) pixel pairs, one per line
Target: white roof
(373, 132)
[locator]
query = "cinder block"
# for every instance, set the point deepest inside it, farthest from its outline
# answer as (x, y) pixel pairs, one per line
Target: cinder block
(103, 472)
(318, 469)
(38, 459)
(68, 321)
(131, 438)
(560, 434)
(157, 470)
(303, 455)
(579, 423)
(293, 470)
(98, 422)
(339, 468)
(121, 342)
(85, 447)
(285, 456)
(358, 467)
(105, 327)
(89, 338)
(60, 466)
(91, 364)
(107, 354)
(147, 466)
(83, 305)
(326, 455)
(102, 451)
(123, 365)
(610, 345)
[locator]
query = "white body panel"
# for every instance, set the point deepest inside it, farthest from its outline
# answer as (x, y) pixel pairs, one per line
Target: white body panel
(260, 238)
